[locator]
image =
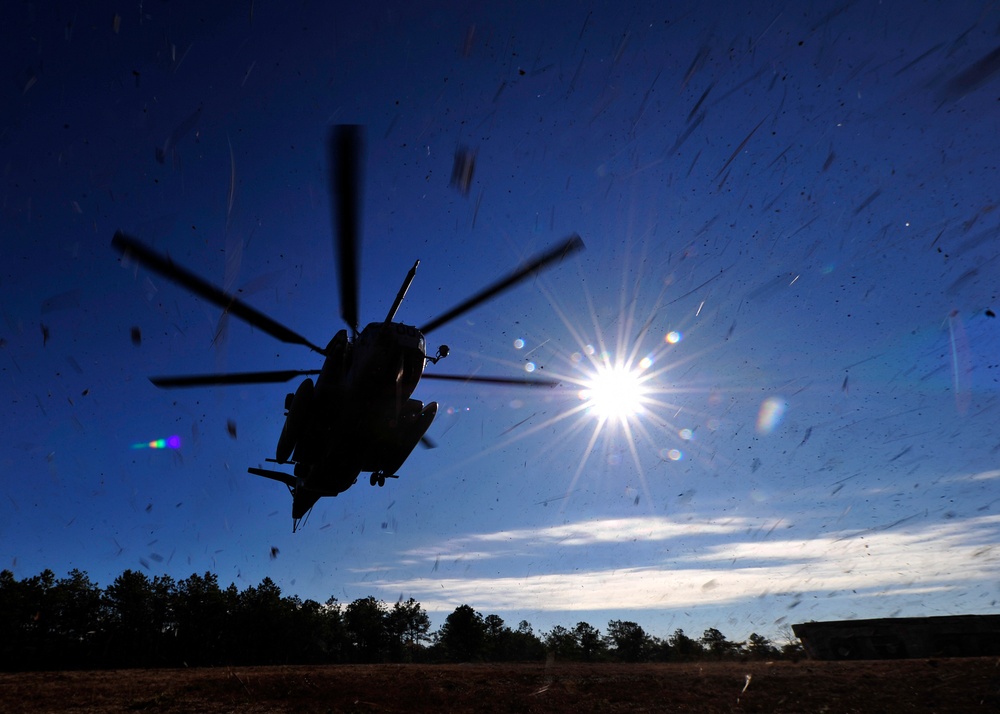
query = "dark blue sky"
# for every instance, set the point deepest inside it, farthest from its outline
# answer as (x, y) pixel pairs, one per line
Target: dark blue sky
(791, 228)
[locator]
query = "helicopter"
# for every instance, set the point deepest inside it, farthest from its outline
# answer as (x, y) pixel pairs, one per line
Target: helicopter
(358, 416)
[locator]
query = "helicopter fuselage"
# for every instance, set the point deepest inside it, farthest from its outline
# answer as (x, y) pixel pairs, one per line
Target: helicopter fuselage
(359, 416)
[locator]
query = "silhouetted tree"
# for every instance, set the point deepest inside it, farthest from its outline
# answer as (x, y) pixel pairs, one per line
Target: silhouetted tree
(631, 643)
(523, 644)
(496, 641)
(203, 619)
(407, 624)
(365, 627)
(684, 648)
(463, 635)
(590, 643)
(75, 615)
(261, 625)
(13, 621)
(139, 622)
(791, 647)
(660, 650)
(25, 607)
(562, 643)
(717, 644)
(760, 647)
(164, 596)
(305, 639)
(334, 633)
(49, 623)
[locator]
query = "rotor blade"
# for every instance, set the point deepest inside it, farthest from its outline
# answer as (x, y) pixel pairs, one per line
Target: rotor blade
(203, 380)
(508, 381)
(346, 145)
(568, 246)
(129, 247)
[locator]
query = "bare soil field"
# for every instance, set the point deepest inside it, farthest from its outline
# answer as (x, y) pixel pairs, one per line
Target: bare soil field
(943, 685)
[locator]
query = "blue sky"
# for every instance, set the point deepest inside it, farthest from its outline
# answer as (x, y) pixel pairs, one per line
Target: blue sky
(791, 228)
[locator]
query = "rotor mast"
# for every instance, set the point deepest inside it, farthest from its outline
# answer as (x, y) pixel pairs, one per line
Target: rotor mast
(402, 292)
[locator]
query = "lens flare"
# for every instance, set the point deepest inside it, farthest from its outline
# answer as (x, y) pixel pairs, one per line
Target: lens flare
(769, 416)
(171, 442)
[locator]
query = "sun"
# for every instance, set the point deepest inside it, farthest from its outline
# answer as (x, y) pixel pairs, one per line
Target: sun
(614, 392)
(624, 410)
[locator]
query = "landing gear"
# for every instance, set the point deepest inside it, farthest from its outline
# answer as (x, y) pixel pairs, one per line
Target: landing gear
(379, 477)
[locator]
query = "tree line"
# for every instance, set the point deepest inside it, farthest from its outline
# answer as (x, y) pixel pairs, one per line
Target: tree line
(138, 621)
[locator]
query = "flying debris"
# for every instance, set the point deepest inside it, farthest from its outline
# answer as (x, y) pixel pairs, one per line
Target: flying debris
(357, 416)
(739, 148)
(547, 501)
(463, 168)
(700, 58)
(961, 362)
(523, 421)
(701, 100)
(136, 335)
(959, 282)
(62, 301)
(972, 78)
(901, 453)
(470, 36)
(177, 134)
(913, 63)
(868, 201)
(686, 134)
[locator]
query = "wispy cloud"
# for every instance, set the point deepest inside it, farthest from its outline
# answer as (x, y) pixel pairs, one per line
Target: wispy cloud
(980, 476)
(910, 561)
(580, 534)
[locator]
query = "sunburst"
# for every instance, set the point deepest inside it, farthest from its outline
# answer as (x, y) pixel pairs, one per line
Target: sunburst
(618, 393)
(615, 392)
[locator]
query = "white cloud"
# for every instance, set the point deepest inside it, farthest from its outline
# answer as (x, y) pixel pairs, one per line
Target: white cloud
(981, 476)
(917, 560)
(581, 534)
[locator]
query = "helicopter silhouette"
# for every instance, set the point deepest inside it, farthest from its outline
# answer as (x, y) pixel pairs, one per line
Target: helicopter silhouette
(358, 416)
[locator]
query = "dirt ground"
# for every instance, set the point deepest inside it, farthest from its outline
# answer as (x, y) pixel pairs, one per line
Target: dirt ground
(944, 685)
